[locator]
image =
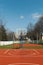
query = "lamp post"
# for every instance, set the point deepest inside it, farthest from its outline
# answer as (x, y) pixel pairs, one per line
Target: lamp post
(13, 39)
(37, 37)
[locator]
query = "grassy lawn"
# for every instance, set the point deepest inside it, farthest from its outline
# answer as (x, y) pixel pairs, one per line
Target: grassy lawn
(34, 47)
(18, 46)
(6, 47)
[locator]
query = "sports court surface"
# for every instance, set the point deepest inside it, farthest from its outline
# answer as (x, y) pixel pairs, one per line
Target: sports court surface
(21, 56)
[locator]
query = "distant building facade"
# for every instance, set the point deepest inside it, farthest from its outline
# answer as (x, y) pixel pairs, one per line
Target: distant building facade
(42, 36)
(20, 34)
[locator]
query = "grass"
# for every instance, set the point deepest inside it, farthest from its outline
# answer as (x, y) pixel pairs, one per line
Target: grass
(34, 47)
(18, 46)
(6, 47)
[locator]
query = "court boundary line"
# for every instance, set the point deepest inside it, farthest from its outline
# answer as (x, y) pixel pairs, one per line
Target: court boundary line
(36, 51)
(6, 51)
(22, 56)
(24, 63)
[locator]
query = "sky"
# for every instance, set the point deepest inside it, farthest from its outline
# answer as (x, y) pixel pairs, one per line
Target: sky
(17, 14)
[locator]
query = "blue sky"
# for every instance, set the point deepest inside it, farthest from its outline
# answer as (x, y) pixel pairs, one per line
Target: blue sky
(18, 14)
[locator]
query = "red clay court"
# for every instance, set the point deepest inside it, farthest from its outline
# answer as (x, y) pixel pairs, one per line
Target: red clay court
(21, 57)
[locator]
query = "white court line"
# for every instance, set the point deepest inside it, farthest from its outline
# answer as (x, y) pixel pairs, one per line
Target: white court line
(21, 50)
(21, 56)
(11, 54)
(6, 51)
(36, 51)
(24, 63)
(15, 50)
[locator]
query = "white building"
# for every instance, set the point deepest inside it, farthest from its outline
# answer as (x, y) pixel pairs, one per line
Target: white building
(19, 31)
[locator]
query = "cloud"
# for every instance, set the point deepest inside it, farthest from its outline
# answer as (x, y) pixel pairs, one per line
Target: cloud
(36, 15)
(21, 17)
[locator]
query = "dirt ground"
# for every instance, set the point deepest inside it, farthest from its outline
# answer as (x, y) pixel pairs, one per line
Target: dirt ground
(21, 57)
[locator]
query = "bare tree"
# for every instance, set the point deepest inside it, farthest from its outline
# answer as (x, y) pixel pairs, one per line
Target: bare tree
(30, 30)
(34, 32)
(38, 29)
(3, 35)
